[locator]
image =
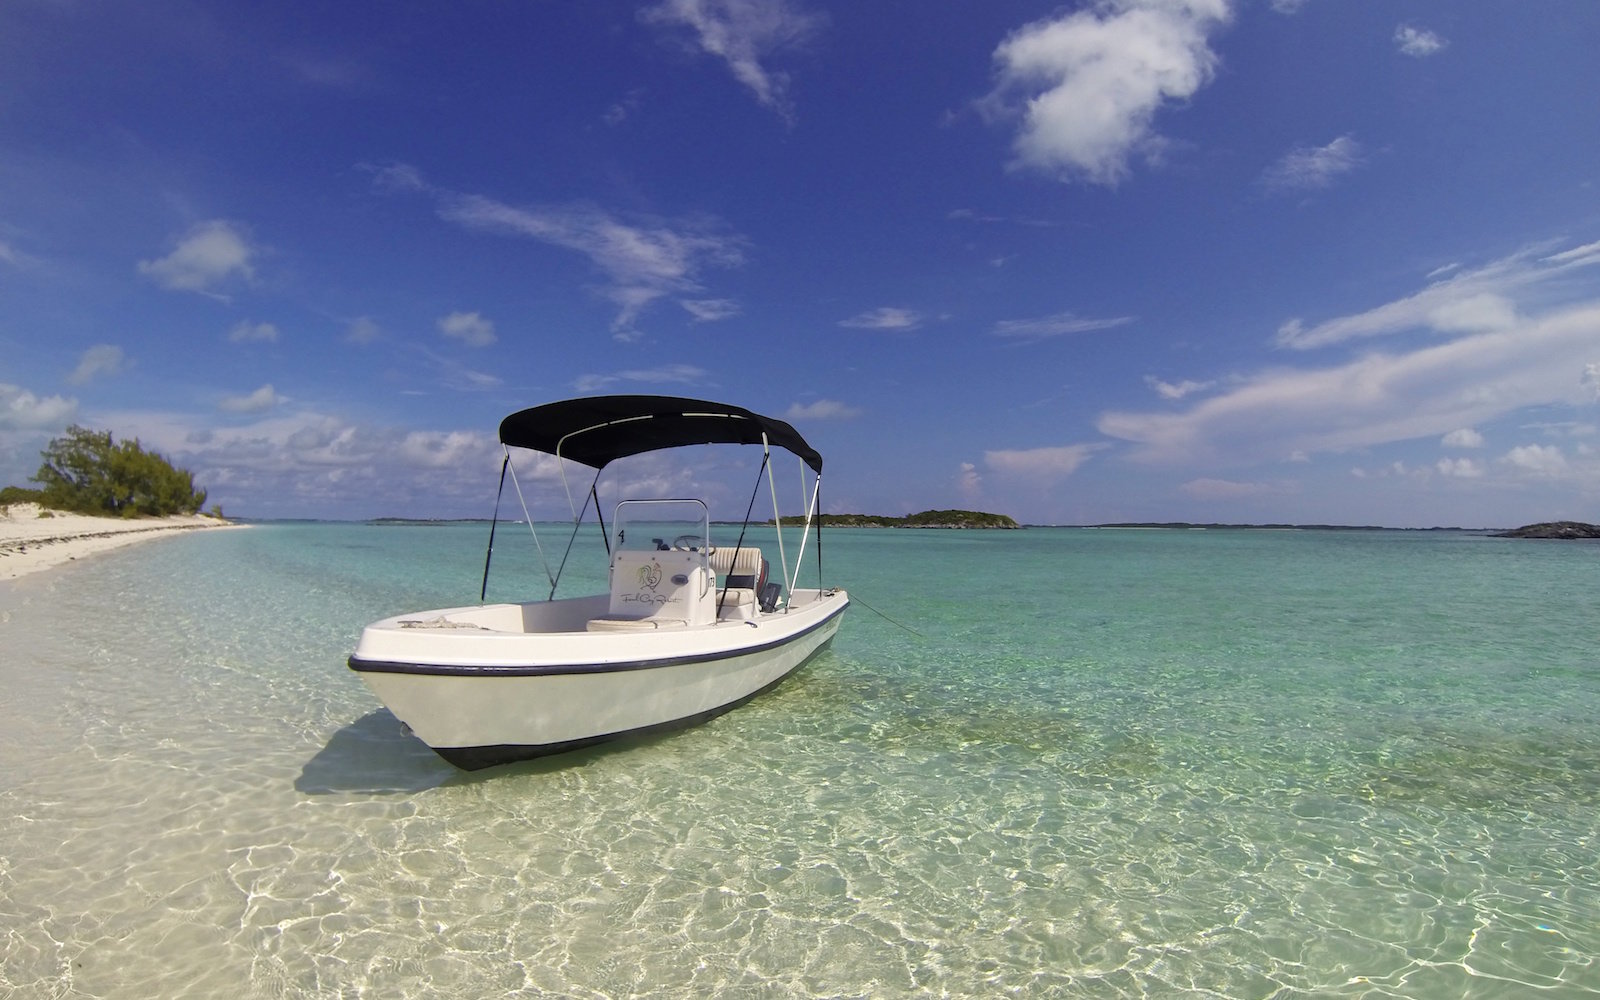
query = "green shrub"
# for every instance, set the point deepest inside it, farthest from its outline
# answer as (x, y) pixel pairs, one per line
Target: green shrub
(18, 494)
(89, 472)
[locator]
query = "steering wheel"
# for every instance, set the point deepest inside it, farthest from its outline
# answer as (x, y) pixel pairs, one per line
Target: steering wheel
(694, 543)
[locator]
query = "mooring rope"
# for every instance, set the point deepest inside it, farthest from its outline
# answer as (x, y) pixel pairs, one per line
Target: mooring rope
(880, 614)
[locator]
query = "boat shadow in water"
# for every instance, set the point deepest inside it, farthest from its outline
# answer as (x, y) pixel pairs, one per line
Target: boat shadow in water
(376, 755)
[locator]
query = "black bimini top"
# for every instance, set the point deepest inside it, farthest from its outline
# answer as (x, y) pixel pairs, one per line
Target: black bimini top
(596, 430)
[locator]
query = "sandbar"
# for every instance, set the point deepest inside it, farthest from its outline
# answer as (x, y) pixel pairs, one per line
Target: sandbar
(33, 538)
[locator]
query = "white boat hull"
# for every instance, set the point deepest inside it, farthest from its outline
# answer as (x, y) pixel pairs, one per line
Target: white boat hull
(493, 684)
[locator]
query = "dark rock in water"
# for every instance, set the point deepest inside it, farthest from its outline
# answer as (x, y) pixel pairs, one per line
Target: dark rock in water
(1553, 529)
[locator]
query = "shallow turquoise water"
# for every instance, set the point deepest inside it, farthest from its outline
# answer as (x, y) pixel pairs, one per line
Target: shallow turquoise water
(1107, 764)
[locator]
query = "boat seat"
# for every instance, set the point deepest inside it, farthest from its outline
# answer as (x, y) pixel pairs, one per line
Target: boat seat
(747, 564)
(634, 624)
(742, 577)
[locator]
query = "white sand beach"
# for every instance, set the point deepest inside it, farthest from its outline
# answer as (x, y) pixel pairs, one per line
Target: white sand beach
(33, 538)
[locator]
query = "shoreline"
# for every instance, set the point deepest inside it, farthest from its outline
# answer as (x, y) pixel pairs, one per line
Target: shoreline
(33, 539)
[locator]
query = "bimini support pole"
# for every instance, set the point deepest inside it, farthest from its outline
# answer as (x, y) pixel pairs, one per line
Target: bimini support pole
(811, 513)
(483, 591)
(777, 519)
(577, 522)
(737, 546)
(527, 517)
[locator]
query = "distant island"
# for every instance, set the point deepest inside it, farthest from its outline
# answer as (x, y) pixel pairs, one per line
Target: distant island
(1553, 529)
(1195, 526)
(925, 519)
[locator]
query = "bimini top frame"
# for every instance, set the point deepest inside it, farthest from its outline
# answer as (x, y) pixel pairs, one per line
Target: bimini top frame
(597, 430)
(600, 429)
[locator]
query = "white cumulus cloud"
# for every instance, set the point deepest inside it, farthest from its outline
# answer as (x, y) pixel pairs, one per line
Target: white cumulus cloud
(1086, 85)
(206, 257)
(1464, 437)
(1417, 42)
(468, 327)
(1460, 468)
(1591, 379)
(1539, 459)
(262, 399)
(21, 410)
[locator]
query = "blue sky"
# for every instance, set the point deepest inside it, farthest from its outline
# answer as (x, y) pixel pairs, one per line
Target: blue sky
(1314, 261)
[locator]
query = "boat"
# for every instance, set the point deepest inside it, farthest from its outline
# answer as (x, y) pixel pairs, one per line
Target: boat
(690, 625)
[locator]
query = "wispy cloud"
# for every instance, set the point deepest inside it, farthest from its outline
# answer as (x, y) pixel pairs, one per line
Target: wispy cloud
(396, 178)
(710, 310)
(642, 262)
(456, 376)
(1376, 399)
(625, 108)
(666, 374)
(970, 215)
(1039, 463)
(247, 332)
(822, 409)
(1086, 85)
(14, 257)
(362, 330)
(1417, 42)
(884, 318)
(745, 34)
(1227, 489)
(101, 359)
(1309, 168)
(1058, 325)
(1176, 390)
(469, 328)
(1467, 301)
(969, 483)
(337, 72)
(207, 257)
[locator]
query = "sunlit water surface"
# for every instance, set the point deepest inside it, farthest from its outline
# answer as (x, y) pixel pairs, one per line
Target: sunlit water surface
(1104, 764)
